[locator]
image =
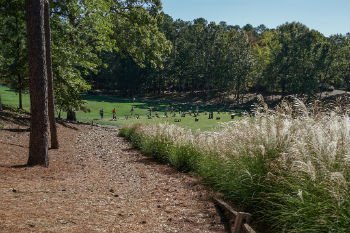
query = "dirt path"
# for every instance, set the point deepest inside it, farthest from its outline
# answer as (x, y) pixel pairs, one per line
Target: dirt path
(97, 183)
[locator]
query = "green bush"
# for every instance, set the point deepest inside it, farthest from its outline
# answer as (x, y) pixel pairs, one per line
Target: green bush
(185, 158)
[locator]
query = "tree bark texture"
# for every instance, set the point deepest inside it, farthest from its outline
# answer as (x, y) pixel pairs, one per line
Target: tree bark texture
(51, 105)
(20, 85)
(19, 77)
(38, 141)
(71, 116)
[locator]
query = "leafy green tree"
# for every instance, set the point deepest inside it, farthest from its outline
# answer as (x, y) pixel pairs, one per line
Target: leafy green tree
(13, 70)
(264, 52)
(338, 72)
(136, 31)
(299, 61)
(240, 60)
(138, 45)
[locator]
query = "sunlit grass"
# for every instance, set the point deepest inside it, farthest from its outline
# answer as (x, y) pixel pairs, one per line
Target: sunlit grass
(124, 115)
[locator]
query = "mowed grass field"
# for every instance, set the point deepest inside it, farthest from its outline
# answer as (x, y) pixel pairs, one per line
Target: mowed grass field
(125, 117)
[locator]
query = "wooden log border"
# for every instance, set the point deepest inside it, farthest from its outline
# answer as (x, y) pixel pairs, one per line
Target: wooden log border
(234, 221)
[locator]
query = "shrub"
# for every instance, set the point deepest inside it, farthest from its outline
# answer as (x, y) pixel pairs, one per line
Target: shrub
(292, 171)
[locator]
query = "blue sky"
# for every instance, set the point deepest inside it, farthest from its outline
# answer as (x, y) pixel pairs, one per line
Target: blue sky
(327, 16)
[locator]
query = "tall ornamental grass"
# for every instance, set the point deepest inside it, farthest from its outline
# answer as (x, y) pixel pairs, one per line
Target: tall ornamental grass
(289, 167)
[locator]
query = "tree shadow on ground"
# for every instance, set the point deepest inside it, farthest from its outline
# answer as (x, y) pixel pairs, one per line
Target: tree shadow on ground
(184, 107)
(106, 98)
(12, 144)
(161, 105)
(64, 124)
(18, 166)
(13, 117)
(19, 130)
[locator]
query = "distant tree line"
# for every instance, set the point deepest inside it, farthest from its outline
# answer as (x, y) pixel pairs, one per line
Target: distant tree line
(291, 59)
(131, 47)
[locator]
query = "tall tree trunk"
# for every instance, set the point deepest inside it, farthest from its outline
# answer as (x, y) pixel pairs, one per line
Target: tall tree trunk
(0, 104)
(38, 142)
(20, 85)
(51, 105)
(238, 89)
(19, 77)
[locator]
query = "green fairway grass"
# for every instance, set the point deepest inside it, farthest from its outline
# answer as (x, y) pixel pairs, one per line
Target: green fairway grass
(141, 107)
(10, 98)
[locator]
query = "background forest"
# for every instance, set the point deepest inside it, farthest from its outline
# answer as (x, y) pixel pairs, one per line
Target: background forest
(132, 48)
(291, 59)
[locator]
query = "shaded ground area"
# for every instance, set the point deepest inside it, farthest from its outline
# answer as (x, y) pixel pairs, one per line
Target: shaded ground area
(96, 183)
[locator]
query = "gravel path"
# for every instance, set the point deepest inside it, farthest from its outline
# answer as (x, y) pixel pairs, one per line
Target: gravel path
(97, 183)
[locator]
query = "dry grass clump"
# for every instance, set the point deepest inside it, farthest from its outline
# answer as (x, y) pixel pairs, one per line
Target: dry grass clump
(290, 166)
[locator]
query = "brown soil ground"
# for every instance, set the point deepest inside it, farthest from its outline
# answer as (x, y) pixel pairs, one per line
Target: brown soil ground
(95, 182)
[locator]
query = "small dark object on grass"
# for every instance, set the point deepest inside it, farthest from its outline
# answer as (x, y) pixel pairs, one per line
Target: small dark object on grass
(177, 120)
(101, 113)
(71, 115)
(218, 118)
(196, 119)
(114, 114)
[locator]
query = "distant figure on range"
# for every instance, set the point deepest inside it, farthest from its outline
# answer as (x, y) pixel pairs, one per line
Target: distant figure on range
(101, 113)
(114, 114)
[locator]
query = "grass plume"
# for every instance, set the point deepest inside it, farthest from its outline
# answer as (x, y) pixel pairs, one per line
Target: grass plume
(290, 166)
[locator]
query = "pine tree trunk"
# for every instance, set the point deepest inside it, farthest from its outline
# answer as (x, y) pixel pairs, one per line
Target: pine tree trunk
(20, 85)
(71, 116)
(38, 141)
(51, 105)
(19, 77)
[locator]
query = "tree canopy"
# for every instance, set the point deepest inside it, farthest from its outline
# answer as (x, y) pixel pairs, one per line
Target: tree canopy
(82, 32)
(132, 47)
(206, 56)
